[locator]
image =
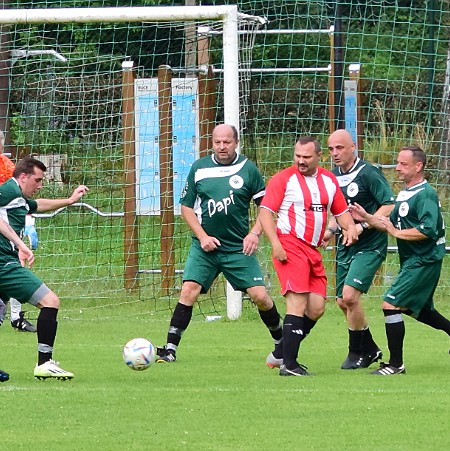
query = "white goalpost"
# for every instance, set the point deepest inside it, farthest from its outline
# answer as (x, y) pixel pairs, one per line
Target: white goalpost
(227, 15)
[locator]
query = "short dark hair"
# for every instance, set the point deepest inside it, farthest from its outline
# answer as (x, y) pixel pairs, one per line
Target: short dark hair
(26, 166)
(418, 154)
(235, 133)
(302, 140)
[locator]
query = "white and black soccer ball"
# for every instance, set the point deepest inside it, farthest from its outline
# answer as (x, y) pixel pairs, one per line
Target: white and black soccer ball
(139, 354)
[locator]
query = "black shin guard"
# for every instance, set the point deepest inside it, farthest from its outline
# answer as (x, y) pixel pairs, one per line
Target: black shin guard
(271, 318)
(179, 323)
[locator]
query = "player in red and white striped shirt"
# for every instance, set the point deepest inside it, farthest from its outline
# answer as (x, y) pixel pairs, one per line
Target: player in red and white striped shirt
(301, 196)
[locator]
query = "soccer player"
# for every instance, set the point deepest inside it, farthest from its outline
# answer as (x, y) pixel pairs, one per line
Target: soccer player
(19, 282)
(18, 321)
(301, 196)
(357, 265)
(25, 256)
(418, 226)
(215, 204)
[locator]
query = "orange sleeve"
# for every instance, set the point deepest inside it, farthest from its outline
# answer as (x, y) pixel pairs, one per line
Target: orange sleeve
(6, 168)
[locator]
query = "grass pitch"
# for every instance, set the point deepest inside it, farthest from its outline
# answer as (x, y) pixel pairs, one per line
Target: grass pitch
(219, 395)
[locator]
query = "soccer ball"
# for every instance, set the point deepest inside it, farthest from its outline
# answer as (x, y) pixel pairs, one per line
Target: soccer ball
(139, 354)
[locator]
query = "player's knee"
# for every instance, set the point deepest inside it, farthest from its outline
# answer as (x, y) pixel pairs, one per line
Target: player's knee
(341, 304)
(260, 297)
(190, 292)
(349, 302)
(315, 313)
(351, 297)
(50, 300)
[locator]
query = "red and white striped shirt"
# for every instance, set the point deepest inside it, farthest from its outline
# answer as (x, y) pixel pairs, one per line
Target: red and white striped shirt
(302, 203)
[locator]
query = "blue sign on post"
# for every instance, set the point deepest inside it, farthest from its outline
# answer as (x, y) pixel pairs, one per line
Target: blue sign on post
(184, 139)
(351, 106)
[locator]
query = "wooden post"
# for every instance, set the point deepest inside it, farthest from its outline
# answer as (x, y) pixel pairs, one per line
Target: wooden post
(131, 229)
(166, 179)
(207, 109)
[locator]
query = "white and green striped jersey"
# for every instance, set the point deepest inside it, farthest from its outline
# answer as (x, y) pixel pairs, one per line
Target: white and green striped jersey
(221, 195)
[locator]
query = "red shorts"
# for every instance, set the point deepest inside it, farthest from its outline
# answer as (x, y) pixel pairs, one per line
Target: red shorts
(303, 272)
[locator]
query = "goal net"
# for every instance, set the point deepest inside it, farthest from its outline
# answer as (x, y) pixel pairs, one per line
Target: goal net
(381, 69)
(66, 105)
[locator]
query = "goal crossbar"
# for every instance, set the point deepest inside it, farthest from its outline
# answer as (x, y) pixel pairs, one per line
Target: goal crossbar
(117, 14)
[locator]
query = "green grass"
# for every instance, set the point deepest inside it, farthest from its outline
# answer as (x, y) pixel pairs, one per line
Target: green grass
(219, 394)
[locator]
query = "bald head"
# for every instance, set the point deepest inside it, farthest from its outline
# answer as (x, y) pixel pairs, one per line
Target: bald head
(225, 128)
(225, 142)
(342, 149)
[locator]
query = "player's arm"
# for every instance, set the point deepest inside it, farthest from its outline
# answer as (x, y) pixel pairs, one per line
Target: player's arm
(383, 211)
(251, 240)
(405, 234)
(208, 243)
(346, 223)
(54, 204)
(265, 218)
(25, 254)
(377, 221)
(330, 231)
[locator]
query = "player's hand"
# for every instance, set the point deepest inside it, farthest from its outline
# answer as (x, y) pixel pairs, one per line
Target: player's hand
(251, 242)
(209, 243)
(326, 238)
(384, 224)
(278, 252)
(26, 256)
(358, 213)
(78, 193)
(377, 222)
(349, 236)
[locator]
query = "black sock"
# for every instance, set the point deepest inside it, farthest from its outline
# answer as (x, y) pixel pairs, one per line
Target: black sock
(395, 334)
(308, 324)
(179, 323)
(46, 326)
(271, 318)
(368, 343)
(355, 342)
(293, 334)
(434, 319)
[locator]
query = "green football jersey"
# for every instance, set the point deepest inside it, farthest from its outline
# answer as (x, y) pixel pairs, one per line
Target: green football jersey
(419, 207)
(221, 195)
(366, 185)
(13, 209)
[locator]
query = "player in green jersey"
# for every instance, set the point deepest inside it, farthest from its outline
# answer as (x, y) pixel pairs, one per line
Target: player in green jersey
(25, 256)
(418, 226)
(17, 318)
(17, 281)
(357, 265)
(215, 204)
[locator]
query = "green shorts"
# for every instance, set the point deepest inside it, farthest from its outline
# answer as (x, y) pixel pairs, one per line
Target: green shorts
(358, 272)
(414, 286)
(242, 271)
(21, 284)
